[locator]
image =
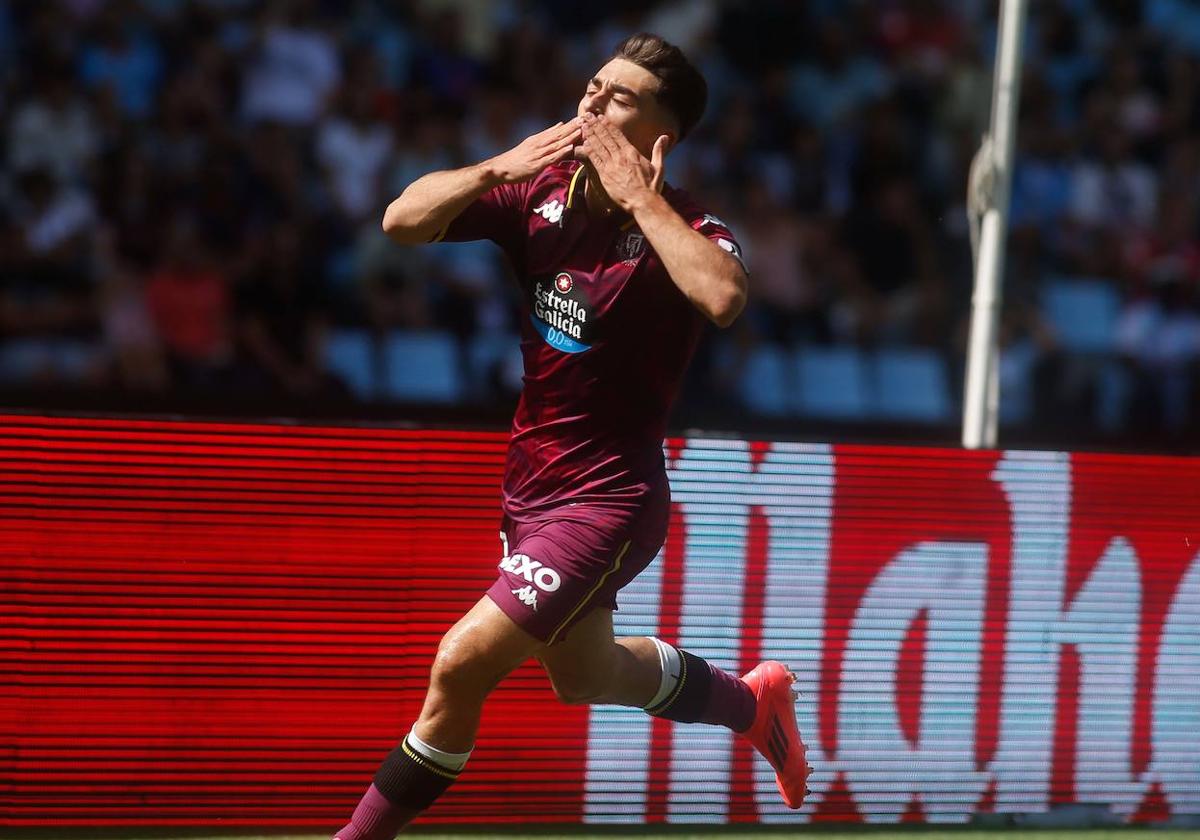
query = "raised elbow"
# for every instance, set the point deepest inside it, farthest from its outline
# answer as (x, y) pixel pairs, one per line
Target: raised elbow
(398, 229)
(726, 308)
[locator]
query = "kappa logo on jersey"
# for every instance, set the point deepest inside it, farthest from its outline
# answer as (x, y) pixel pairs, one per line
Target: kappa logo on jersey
(524, 566)
(527, 595)
(551, 211)
(563, 282)
(710, 219)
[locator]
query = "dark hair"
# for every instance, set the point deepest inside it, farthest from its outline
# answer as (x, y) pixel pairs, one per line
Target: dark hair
(681, 90)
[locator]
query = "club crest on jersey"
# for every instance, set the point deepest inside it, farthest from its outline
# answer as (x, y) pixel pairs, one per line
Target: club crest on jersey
(630, 246)
(561, 313)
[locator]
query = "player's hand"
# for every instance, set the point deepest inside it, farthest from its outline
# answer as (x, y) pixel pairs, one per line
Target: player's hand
(625, 175)
(535, 153)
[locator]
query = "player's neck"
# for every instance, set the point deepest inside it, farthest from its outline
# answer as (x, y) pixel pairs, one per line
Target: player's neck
(598, 201)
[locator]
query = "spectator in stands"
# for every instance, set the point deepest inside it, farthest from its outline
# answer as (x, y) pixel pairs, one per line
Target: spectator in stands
(895, 292)
(293, 66)
(190, 300)
(1159, 330)
(789, 297)
(1113, 194)
(281, 315)
(53, 129)
(353, 147)
(123, 56)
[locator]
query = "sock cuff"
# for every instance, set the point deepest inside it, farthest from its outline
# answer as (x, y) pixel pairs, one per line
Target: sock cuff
(672, 666)
(411, 780)
(454, 762)
(685, 703)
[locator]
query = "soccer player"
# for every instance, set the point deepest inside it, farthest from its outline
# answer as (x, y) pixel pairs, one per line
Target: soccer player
(618, 272)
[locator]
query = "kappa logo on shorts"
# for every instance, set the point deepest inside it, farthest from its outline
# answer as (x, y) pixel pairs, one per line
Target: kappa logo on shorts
(527, 595)
(524, 566)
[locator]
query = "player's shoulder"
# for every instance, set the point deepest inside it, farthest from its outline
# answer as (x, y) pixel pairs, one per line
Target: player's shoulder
(694, 213)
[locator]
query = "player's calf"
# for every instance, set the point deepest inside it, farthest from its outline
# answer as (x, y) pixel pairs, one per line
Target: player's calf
(692, 690)
(478, 652)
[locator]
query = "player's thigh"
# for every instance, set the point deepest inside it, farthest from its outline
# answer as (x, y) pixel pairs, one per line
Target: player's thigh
(482, 648)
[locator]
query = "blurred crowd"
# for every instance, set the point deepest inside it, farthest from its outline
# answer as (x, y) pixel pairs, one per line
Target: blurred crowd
(190, 190)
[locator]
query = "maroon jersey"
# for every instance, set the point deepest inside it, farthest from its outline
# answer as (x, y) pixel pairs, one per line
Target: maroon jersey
(606, 337)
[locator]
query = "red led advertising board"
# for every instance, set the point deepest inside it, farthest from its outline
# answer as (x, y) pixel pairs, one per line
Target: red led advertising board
(231, 624)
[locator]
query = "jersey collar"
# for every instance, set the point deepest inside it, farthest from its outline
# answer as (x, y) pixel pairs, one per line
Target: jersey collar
(577, 182)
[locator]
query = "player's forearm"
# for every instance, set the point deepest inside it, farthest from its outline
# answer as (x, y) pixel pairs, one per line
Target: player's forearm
(711, 279)
(433, 201)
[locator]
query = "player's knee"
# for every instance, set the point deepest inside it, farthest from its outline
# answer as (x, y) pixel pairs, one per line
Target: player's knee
(585, 685)
(580, 691)
(461, 668)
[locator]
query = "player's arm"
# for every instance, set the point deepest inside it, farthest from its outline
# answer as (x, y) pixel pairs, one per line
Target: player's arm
(711, 278)
(433, 201)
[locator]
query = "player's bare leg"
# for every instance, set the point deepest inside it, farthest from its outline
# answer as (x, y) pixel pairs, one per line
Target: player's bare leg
(482, 648)
(591, 666)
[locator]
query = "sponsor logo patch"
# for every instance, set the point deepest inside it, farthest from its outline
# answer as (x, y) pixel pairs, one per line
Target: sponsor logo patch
(561, 313)
(539, 574)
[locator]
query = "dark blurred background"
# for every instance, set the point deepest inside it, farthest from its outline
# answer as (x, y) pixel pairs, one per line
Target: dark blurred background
(190, 197)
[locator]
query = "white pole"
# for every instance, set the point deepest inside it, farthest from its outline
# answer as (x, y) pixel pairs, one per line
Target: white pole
(981, 396)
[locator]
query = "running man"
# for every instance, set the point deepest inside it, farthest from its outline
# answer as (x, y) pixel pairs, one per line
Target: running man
(618, 272)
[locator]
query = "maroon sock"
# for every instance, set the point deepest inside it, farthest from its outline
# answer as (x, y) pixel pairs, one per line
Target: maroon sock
(406, 784)
(705, 694)
(375, 818)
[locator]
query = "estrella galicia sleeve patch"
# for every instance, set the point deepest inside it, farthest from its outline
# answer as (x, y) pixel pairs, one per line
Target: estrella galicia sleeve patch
(562, 313)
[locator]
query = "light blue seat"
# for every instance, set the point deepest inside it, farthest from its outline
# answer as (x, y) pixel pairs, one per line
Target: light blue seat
(1017, 362)
(833, 383)
(48, 360)
(765, 382)
(912, 386)
(422, 366)
(347, 355)
(491, 355)
(1083, 313)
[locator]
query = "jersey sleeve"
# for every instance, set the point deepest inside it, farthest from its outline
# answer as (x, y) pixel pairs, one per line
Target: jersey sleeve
(716, 230)
(497, 215)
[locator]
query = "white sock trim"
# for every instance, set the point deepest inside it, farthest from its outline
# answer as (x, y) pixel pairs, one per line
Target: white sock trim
(672, 665)
(450, 761)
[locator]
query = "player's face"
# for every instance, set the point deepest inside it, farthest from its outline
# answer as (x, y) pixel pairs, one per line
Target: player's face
(625, 93)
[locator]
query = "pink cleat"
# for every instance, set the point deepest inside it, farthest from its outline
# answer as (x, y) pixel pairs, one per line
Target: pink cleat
(774, 732)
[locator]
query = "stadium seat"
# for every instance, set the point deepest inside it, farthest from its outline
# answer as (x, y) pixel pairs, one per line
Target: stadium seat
(1083, 313)
(423, 366)
(833, 383)
(766, 382)
(347, 354)
(911, 386)
(492, 356)
(1017, 362)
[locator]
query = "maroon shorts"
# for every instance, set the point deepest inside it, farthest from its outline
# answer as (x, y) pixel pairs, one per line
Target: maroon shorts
(560, 567)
